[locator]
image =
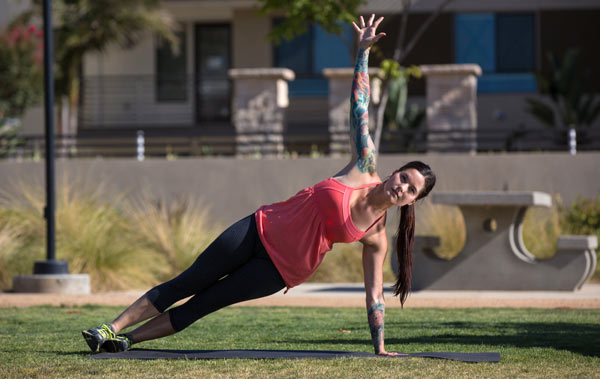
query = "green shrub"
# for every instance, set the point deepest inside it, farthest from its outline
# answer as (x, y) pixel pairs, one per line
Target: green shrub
(21, 75)
(583, 218)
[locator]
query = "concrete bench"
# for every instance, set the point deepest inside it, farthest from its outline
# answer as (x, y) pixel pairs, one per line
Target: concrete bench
(494, 256)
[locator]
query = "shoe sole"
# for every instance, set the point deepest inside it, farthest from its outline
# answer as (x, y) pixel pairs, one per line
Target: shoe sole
(91, 341)
(113, 345)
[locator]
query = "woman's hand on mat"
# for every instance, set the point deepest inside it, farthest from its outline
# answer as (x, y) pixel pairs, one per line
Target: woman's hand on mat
(367, 33)
(390, 353)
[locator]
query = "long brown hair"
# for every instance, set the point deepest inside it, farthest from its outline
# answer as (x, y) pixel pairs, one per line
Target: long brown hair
(406, 231)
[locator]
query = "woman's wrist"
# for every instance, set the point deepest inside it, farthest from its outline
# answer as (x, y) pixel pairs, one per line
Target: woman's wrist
(362, 60)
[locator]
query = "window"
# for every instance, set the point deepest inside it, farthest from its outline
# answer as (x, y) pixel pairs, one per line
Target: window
(502, 44)
(308, 54)
(171, 70)
(213, 60)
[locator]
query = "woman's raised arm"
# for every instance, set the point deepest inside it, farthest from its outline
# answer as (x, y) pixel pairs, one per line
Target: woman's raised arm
(363, 149)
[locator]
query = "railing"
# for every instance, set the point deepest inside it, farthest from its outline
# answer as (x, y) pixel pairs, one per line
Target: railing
(188, 143)
(489, 140)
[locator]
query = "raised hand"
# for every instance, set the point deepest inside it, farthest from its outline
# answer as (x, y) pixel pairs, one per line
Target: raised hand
(367, 33)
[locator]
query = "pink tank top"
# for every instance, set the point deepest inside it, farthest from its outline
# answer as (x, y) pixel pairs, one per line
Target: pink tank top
(297, 233)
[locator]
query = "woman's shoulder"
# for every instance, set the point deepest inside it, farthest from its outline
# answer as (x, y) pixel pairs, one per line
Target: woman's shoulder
(355, 179)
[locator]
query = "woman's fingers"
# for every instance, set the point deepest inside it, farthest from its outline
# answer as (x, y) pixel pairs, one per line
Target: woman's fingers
(378, 36)
(356, 27)
(362, 22)
(378, 22)
(371, 19)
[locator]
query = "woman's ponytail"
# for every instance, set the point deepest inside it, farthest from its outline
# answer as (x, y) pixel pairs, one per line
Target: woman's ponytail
(404, 245)
(406, 231)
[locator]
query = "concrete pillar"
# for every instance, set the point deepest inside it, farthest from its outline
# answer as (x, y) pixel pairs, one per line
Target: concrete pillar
(260, 96)
(340, 85)
(452, 107)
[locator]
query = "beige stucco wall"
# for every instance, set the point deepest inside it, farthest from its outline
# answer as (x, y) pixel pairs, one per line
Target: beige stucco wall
(138, 60)
(233, 188)
(249, 47)
(10, 9)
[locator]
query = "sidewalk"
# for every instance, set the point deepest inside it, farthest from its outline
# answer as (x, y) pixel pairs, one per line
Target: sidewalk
(349, 295)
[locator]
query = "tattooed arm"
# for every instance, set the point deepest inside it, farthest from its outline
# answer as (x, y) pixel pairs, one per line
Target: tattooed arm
(363, 149)
(376, 314)
(374, 251)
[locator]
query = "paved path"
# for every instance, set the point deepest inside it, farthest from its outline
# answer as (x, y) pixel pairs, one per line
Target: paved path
(350, 295)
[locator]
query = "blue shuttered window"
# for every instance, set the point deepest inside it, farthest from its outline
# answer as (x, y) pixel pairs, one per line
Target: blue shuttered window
(502, 44)
(307, 55)
(475, 40)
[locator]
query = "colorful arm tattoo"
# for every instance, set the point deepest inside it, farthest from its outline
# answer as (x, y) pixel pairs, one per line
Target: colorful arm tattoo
(359, 114)
(376, 315)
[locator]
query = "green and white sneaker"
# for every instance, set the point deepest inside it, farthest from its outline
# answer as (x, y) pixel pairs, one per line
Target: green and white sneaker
(119, 343)
(95, 337)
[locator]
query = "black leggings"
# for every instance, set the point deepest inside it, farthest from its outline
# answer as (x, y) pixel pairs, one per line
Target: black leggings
(234, 268)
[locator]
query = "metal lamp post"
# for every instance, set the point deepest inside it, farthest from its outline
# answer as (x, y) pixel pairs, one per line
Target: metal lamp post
(51, 265)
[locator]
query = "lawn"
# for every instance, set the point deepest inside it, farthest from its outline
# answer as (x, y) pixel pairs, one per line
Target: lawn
(46, 342)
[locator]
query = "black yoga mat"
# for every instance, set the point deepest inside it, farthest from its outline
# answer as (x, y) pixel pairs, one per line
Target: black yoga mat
(283, 354)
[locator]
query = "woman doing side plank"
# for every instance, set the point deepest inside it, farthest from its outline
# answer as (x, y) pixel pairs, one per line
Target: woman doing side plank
(281, 244)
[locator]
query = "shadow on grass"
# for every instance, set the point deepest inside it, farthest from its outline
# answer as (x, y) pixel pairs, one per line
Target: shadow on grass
(583, 339)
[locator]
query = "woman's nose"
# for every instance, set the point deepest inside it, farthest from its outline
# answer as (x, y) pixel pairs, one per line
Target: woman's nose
(404, 187)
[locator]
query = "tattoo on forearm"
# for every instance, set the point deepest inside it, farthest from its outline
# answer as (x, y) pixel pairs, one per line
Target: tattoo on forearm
(376, 320)
(359, 113)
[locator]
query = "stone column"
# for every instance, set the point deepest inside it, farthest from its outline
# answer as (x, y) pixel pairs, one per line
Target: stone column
(340, 85)
(452, 106)
(260, 96)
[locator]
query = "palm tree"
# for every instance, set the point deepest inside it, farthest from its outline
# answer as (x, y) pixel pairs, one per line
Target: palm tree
(566, 87)
(86, 26)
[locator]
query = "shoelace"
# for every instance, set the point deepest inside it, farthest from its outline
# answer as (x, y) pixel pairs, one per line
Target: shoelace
(106, 332)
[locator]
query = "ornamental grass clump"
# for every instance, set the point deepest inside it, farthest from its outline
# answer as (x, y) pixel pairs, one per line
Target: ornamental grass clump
(121, 243)
(92, 235)
(177, 232)
(10, 245)
(583, 218)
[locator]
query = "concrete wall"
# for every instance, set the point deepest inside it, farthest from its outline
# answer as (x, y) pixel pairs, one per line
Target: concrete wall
(233, 188)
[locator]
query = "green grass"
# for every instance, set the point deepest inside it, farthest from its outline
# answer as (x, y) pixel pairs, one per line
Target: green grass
(46, 342)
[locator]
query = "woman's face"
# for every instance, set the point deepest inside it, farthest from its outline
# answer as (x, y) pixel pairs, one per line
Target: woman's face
(403, 187)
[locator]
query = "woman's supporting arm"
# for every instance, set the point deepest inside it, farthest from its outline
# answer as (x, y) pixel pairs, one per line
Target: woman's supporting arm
(376, 315)
(374, 251)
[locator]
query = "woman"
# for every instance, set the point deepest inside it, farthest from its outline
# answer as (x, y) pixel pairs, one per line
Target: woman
(282, 244)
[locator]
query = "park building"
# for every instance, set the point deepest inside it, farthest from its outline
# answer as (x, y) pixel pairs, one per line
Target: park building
(189, 97)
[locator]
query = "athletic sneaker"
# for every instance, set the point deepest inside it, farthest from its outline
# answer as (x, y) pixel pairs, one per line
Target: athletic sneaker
(117, 344)
(95, 337)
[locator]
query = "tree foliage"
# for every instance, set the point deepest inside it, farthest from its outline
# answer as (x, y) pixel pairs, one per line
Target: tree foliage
(84, 26)
(299, 14)
(21, 72)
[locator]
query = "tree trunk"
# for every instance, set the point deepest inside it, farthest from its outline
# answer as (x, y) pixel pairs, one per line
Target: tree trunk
(381, 113)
